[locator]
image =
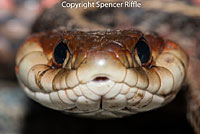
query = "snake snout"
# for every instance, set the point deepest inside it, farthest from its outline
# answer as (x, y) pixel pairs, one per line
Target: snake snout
(101, 67)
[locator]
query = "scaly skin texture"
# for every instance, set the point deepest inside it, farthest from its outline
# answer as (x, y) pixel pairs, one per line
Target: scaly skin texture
(102, 73)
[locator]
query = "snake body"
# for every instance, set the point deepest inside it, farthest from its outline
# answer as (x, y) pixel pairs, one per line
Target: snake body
(107, 73)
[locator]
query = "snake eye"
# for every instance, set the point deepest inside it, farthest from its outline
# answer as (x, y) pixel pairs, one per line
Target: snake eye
(143, 51)
(60, 53)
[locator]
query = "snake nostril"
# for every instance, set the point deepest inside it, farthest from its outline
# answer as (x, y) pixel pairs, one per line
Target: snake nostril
(100, 79)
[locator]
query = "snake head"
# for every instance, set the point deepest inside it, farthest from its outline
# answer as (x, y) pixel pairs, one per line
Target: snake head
(120, 72)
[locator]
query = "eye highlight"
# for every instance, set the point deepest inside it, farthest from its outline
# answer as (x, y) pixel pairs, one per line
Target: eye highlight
(60, 53)
(143, 51)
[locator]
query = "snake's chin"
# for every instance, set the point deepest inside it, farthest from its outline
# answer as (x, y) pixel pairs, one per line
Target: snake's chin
(99, 98)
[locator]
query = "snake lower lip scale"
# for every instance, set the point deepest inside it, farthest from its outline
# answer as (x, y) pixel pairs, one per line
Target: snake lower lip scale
(106, 72)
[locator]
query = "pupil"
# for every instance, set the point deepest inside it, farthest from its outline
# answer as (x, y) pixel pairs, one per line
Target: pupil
(143, 51)
(60, 53)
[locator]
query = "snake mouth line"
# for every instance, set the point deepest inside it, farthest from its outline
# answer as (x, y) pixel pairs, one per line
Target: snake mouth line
(123, 99)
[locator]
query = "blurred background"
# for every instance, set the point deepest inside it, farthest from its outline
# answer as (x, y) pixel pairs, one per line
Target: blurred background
(178, 20)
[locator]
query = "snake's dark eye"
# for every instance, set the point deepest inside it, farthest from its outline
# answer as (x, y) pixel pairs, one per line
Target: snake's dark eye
(143, 51)
(60, 53)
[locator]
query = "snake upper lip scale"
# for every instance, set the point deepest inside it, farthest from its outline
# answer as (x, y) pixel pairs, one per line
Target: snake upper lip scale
(109, 73)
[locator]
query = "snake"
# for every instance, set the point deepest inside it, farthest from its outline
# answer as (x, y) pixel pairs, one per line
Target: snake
(100, 73)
